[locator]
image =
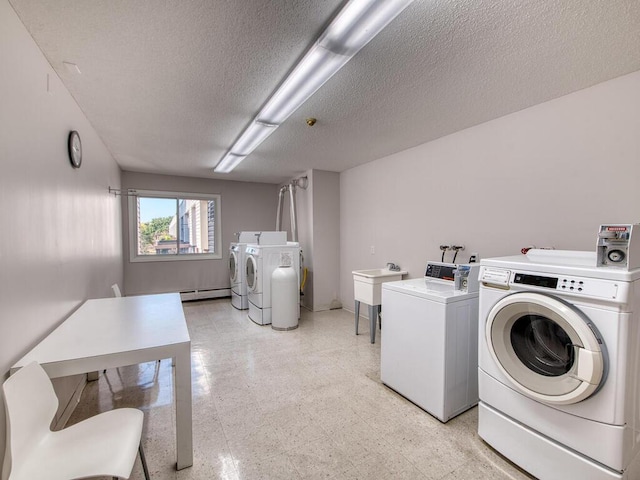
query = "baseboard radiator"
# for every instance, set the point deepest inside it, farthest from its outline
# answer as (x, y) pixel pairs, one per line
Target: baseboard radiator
(205, 294)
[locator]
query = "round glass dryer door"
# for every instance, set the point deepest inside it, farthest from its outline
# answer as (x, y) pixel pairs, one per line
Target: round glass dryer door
(547, 349)
(233, 266)
(252, 273)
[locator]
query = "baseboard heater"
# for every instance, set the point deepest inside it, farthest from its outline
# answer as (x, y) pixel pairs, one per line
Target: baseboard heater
(205, 294)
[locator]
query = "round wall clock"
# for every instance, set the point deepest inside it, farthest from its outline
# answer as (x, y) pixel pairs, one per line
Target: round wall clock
(75, 149)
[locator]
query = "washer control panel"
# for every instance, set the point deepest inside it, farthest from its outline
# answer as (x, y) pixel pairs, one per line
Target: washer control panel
(440, 271)
(580, 286)
(572, 284)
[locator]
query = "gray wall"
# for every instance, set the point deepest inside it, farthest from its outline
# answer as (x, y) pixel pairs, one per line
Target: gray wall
(546, 176)
(61, 242)
(244, 207)
(326, 238)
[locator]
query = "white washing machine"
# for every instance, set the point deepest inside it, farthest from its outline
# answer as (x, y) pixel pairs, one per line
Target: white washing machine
(237, 277)
(261, 261)
(429, 340)
(559, 358)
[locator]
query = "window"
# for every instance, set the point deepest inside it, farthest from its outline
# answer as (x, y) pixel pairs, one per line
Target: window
(173, 226)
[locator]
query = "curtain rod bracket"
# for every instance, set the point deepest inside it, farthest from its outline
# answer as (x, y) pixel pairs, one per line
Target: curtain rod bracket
(118, 192)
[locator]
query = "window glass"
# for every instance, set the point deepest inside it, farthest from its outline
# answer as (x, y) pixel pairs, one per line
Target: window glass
(177, 227)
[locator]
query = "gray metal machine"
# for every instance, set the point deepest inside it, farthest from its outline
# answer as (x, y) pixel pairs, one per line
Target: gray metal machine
(616, 247)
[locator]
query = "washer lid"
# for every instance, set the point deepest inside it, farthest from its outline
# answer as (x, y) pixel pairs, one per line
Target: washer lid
(546, 348)
(434, 290)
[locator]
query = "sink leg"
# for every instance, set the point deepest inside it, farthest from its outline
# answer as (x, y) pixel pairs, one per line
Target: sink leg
(373, 313)
(357, 309)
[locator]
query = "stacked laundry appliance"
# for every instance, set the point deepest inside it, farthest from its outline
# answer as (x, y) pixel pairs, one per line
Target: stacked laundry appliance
(237, 262)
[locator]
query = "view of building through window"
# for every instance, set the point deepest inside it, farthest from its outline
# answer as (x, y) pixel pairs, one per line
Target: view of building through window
(170, 226)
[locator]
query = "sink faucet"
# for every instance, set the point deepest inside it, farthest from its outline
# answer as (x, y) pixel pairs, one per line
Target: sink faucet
(393, 267)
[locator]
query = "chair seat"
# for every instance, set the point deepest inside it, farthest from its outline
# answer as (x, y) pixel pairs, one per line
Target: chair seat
(103, 445)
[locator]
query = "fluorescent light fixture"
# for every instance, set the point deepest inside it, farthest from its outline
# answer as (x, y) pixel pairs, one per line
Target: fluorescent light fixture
(315, 68)
(228, 163)
(356, 24)
(253, 136)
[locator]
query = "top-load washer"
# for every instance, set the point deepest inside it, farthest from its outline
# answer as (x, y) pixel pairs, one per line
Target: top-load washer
(429, 341)
(261, 261)
(237, 278)
(559, 357)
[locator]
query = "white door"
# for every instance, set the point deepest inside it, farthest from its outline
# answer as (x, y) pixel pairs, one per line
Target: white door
(547, 348)
(252, 273)
(233, 266)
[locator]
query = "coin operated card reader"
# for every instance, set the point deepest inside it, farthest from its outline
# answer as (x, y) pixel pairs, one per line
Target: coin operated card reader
(617, 246)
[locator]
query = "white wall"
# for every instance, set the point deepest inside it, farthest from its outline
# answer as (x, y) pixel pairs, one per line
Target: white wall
(326, 239)
(548, 175)
(61, 242)
(245, 206)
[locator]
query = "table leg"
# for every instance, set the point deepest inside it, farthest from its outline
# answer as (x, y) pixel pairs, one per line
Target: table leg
(357, 309)
(373, 315)
(182, 389)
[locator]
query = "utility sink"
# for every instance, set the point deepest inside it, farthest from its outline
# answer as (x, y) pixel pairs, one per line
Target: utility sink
(368, 283)
(367, 288)
(377, 272)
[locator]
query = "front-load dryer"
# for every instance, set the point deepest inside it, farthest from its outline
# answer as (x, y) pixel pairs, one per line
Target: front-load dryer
(261, 261)
(237, 277)
(559, 354)
(239, 297)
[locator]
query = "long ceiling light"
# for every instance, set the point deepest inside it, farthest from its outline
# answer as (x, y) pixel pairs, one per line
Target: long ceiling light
(356, 24)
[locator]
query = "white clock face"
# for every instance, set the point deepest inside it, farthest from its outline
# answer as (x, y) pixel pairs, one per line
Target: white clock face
(75, 149)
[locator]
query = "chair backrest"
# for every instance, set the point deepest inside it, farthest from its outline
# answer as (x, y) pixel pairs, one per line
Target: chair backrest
(30, 405)
(116, 290)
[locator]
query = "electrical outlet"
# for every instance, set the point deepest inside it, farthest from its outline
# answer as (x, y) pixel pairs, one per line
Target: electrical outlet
(373, 250)
(474, 257)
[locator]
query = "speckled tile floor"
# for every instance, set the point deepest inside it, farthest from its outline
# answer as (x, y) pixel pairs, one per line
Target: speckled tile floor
(303, 404)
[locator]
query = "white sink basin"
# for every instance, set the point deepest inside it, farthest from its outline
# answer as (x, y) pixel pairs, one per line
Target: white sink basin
(368, 284)
(377, 272)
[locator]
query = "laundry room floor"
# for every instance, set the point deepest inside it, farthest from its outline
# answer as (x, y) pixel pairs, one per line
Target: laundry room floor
(302, 404)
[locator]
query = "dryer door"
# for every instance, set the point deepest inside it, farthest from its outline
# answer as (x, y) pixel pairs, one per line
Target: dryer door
(233, 266)
(547, 348)
(252, 273)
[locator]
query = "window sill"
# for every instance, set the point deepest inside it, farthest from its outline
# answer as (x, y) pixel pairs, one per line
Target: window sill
(175, 258)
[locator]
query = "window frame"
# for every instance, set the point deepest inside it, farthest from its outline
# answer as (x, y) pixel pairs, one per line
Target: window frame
(132, 200)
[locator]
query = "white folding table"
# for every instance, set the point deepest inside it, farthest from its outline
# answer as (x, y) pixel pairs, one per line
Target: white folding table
(114, 332)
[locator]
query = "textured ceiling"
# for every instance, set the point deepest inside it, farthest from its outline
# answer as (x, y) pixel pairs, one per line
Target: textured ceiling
(169, 85)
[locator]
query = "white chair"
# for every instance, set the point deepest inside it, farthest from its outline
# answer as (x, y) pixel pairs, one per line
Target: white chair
(116, 290)
(104, 445)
